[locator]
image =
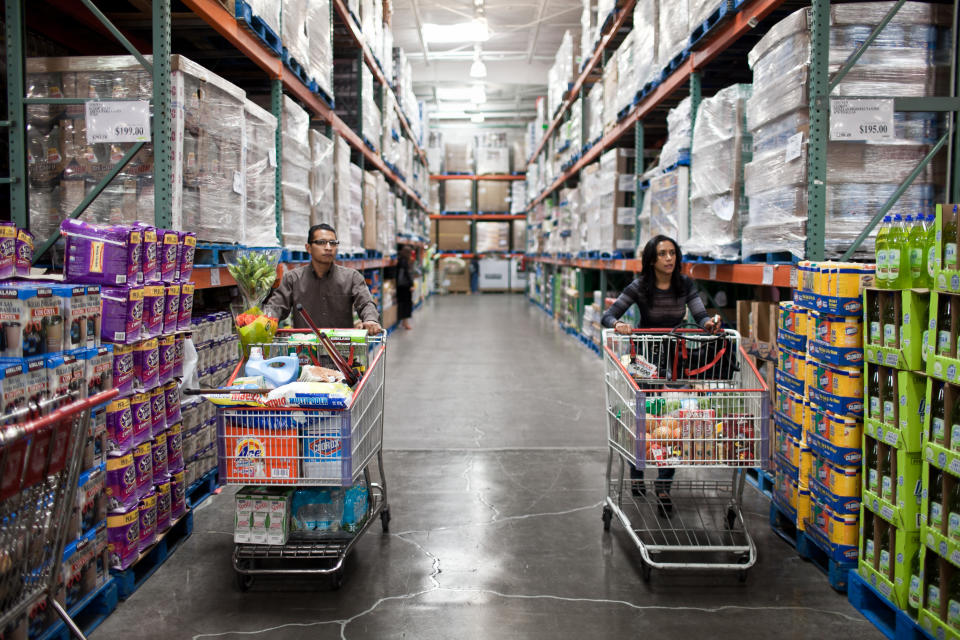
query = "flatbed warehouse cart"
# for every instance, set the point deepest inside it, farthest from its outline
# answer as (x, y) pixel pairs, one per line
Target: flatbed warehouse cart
(302, 448)
(683, 399)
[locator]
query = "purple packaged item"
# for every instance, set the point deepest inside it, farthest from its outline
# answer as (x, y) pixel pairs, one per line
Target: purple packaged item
(164, 505)
(158, 411)
(142, 423)
(178, 356)
(123, 368)
(160, 471)
(168, 353)
(150, 259)
(95, 254)
(121, 482)
(135, 256)
(169, 248)
(148, 520)
(178, 494)
(146, 364)
(187, 251)
(23, 257)
(171, 310)
(8, 249)
(122, 316)
(154, 307)
(172, 392)
(123, 538)
(143, 463)
(186, 306)
(119, 426)
(175, 447)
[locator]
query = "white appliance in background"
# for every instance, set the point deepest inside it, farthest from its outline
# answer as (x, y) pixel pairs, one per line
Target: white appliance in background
(494, 274)
(518, 279)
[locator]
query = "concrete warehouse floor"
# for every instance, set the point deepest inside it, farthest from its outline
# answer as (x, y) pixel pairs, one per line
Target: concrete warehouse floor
(495, 450)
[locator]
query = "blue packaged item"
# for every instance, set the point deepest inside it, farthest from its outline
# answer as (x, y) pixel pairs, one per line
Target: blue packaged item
(317, 510)
(276, 371)
(355, 502)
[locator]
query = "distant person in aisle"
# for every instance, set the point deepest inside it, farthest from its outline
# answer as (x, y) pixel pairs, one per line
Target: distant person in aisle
(662, 295)
(406, 275)
(328, 292)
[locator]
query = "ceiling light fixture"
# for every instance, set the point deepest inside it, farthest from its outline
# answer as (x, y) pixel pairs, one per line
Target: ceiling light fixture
(477, 69)
(478, 95)
(474, 31)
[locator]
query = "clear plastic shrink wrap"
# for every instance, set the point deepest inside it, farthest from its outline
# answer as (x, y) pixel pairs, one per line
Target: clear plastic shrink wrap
(594, 113)
(294, 37)
(319, 40)
(646, 29)
(700, 10)
(322, 172)
(268, 11)
(674, 33)
(720, 148)
(907, 59)
(295, 174)
(260, 222)
(626, 73)
(371, 126)
(355, 237)
(679, 126)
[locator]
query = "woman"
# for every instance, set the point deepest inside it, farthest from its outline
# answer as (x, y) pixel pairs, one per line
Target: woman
(663, 295)
(406, 273)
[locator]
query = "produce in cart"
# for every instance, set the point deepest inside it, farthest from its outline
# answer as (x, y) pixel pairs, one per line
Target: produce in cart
(255, 271)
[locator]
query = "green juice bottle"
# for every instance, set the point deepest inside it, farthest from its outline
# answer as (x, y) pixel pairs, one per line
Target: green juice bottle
(881, 249)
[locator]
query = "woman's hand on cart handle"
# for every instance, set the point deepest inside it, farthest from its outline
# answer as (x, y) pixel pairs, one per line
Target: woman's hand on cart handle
(622, 328)
(713, 325)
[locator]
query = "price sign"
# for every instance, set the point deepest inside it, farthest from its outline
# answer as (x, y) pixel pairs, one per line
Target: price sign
(214, 277)
(118, 121)
(861, 119)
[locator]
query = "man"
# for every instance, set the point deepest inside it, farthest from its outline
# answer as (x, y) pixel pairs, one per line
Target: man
(328, 292)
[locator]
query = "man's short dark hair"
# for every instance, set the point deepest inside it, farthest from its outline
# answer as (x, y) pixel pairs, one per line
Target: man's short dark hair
(323, 226)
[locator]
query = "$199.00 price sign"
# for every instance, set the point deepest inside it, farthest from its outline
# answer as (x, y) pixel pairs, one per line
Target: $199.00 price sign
(861, 119)
(118, 121)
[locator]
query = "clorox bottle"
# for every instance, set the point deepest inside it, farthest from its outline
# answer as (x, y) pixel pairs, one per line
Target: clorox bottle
(276, 371)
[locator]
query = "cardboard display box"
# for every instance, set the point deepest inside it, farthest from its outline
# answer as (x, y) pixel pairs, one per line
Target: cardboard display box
(458, 157)
(493, 236)
(458, 196)
(493, 196)
(453, 235)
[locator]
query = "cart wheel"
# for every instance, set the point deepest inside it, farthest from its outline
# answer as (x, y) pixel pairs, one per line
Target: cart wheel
(607, 517)
(385, 520)
(742, 575)
(731, 517)
(336, 579)
(645, 571)
(243, 581)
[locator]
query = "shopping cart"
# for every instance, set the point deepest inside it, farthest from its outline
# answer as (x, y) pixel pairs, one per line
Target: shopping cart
(683, 399)
(40, 458)
(301, 447)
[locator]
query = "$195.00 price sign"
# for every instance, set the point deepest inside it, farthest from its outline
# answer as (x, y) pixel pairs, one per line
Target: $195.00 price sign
(118, 121)
(861, 119)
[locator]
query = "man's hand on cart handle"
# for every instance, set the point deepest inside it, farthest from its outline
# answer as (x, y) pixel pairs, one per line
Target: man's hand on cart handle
(713, 325)
(622, 328)
(373, 328)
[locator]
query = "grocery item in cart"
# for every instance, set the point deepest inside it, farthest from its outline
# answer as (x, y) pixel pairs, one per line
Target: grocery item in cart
(312, 373)
(123, 534)
(276, 372)
(122, 314)
(317, 510)
(121, 482)
(355, 503)
(251, 456)
(322, 450)
(312, 395)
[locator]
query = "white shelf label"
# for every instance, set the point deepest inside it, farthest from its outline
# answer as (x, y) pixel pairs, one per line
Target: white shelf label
(861, 119)
(891, 438)
(713, 272)
(118, 121)
(794, 278)
(214, 277)
(794, 147)
(767, 274)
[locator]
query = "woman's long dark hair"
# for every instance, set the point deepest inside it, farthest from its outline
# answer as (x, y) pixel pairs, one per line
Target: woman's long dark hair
(648, 278)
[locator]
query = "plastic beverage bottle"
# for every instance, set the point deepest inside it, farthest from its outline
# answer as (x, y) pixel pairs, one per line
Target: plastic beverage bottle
(936, 499)
(931, 243)
(881, 249)
(944, 319)
(873, 393)
(950, 240)
(915, 591)
(953, 601)
(938, 418)
(896, 241)
(890, 322)
(953, 519)
(873, 314)
(918, 253)
(869, 548)
(955, 427)
(890, 399)
(933, 584)
(873, 475)
(888, 479)
(883, 547)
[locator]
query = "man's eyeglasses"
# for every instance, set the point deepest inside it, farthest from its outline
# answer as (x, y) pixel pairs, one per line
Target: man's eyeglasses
(329, 243)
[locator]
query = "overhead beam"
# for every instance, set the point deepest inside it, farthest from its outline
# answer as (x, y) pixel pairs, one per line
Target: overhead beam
(423, 42)
(536, 30)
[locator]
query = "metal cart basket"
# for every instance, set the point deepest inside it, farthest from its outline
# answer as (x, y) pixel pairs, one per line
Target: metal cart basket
(40, 461)
(306, 447)
(683, 399)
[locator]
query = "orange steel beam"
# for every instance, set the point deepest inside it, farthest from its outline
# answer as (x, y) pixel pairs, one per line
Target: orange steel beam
(499, 177)
(228, 27)
(478, 216)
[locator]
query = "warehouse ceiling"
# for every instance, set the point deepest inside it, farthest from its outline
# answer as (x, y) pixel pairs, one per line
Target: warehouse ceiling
(523, 39)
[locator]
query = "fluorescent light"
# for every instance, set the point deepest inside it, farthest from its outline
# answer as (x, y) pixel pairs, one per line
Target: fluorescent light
(478, 69)
(478, 94)
(473, 31)
(476, 118)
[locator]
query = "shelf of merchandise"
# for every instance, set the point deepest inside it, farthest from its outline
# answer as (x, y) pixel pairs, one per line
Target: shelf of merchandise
(774, 275)
(622, 13)
(479, 256)
(477, 216)
(506, 177)
(210, 277)
(226, 25)
(357, 35)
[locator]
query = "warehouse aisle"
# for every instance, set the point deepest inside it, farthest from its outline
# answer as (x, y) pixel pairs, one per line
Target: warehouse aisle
(495, 455)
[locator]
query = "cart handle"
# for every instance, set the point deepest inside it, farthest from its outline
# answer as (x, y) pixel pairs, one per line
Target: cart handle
(14, 432)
